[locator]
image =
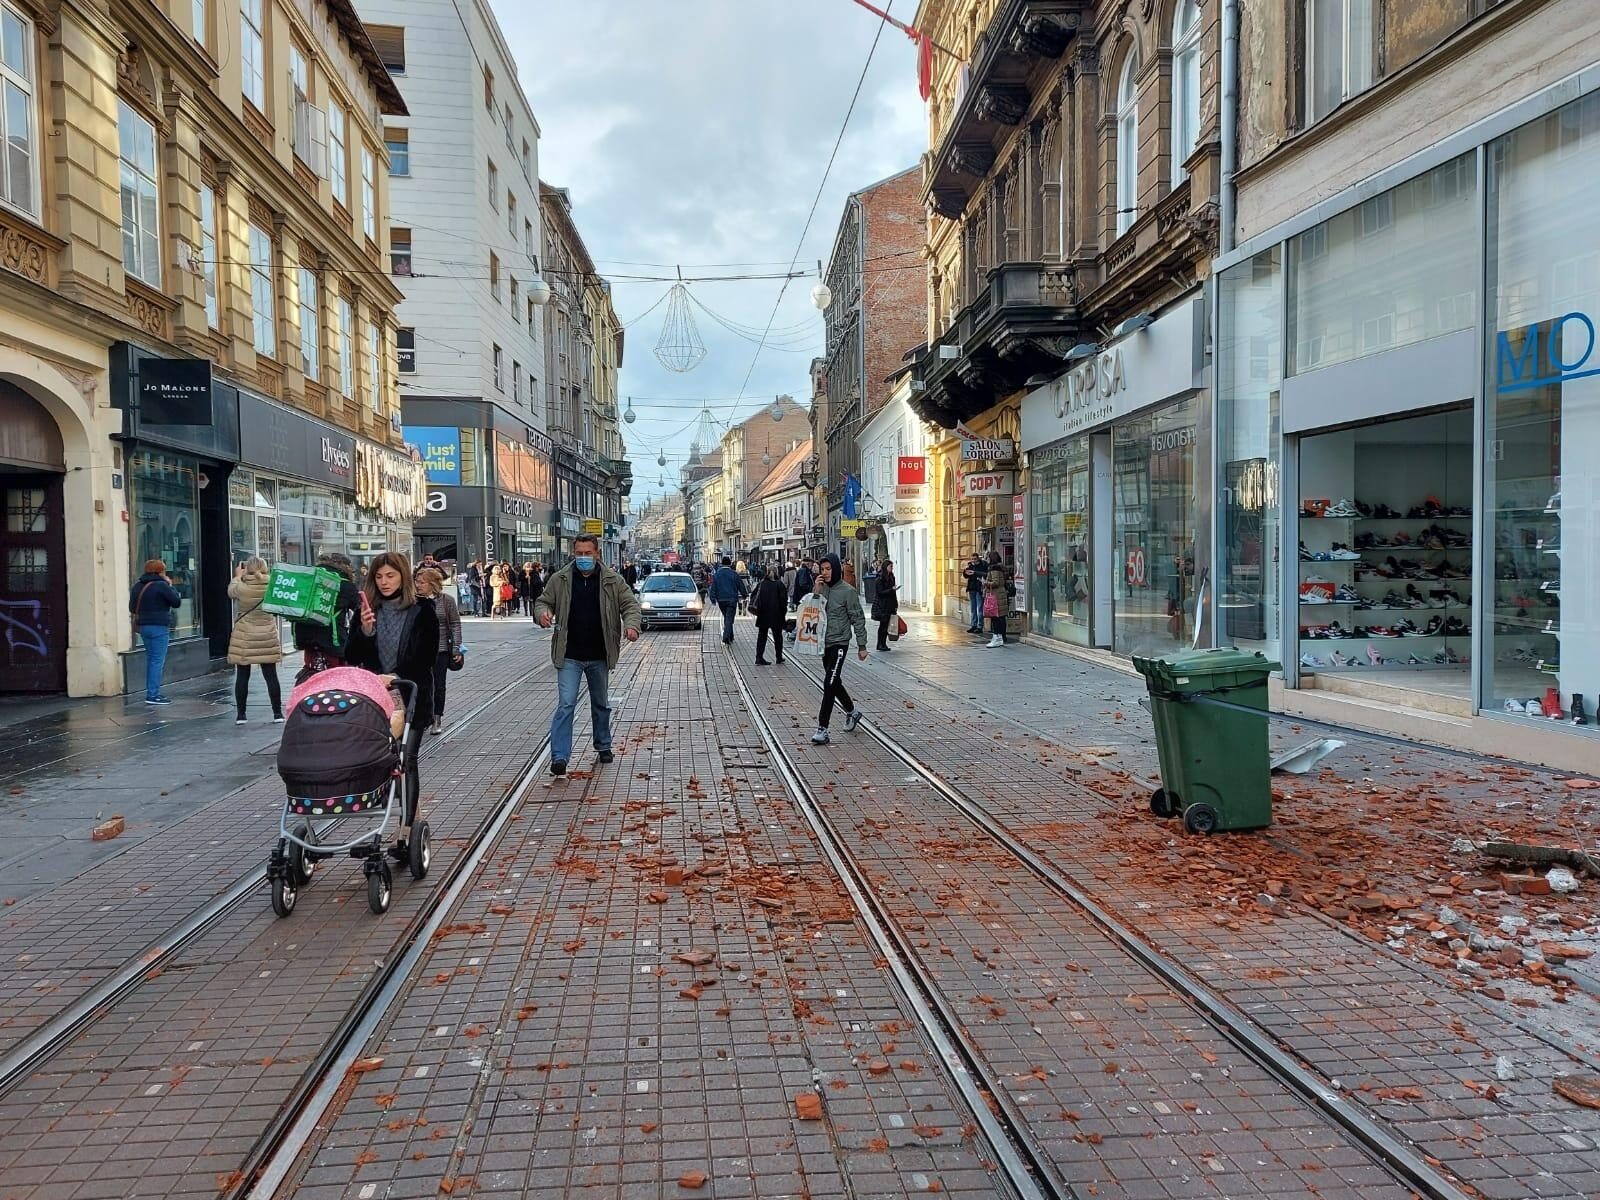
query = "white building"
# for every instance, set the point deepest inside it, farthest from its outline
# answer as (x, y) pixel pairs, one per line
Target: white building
(784, 505)
(465, 239)
(894, 455)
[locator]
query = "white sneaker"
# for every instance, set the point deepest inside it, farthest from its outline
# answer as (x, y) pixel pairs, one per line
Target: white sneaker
(851, 720)
(1533, 708)
(1310, 660)
(1342, 509)
(820, 737)
(996, 640)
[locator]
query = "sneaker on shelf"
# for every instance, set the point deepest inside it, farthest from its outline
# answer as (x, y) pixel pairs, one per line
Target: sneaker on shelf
(1413, 661)
(1345, 594)
(1553, 505)
(1383, 512)
(1343, 508)
(1339, 659)
(1313, 508)
(1305, 554)
(1578, 717)
(1367, 540)
(1404, 628)
(1552, 704)
(1311, 660)
(1549, 545)
(1434, 627)
(1533, 708)
(1343, 553)
(1373, 656)
(1516, 706)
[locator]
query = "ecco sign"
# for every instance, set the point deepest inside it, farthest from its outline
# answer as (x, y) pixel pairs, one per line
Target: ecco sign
(1089, 396)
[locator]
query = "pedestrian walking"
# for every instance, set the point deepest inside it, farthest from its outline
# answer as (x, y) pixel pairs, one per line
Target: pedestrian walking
(630, 574)
(255, 641)
(975, 572)
(592, 610)
(885, 601)
(532, 585)
(770, 604)
(399, 636)
(430, 586)
(153, 604)
(805, 577)
(789, 572)
(996, 599)
(726, 591)
(475, 585)
(843, 616)
(325, 646)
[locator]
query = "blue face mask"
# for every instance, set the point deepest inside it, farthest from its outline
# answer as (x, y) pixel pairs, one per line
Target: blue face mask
(585, 563)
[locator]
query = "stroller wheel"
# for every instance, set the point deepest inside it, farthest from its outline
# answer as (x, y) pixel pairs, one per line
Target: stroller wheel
(419, 855)
(380, 887)
(283, 896)
(302, 866)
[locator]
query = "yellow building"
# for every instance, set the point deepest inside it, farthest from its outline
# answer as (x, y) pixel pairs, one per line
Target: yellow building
(196, 340)
(615, 469)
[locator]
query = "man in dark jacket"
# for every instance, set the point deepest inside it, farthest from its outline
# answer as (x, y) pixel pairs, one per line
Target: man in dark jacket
(727, 589)
(592, 610)
(976, 571)
(804, 578)
(152, 603)
(885, 601)
(770, 604)
(328, 646)
(630, 574)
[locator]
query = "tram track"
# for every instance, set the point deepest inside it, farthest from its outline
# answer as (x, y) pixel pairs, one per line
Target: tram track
(1408, 1167)
(43, 1043)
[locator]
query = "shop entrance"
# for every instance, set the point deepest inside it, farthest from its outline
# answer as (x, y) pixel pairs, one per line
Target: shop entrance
(1385, 552)
(33, 591)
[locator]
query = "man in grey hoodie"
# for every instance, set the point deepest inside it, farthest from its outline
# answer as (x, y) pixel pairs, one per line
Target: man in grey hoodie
(844, 616)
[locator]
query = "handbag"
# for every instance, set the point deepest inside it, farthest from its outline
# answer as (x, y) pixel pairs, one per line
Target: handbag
(899, 630)
(133, 612)
(991, 604)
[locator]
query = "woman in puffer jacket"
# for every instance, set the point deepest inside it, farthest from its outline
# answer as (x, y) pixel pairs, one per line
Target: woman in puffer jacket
(255, 641)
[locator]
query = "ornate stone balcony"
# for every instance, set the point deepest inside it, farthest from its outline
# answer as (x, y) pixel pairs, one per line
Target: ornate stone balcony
(1010, 60)
(1023, 322)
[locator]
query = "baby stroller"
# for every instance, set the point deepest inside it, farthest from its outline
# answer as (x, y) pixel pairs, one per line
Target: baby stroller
(340, 758)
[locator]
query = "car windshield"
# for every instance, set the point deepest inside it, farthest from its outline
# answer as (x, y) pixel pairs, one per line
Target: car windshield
(667, 583)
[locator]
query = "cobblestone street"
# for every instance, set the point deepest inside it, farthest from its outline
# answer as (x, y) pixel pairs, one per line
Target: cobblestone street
(654, 981)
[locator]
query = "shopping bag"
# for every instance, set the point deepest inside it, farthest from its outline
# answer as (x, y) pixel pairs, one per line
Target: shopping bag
(810, 626)
(302, 593)
(898, 630)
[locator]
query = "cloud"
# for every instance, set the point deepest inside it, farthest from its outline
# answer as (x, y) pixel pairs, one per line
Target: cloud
(695, 132)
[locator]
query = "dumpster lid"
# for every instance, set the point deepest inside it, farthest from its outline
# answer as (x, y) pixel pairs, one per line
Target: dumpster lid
(1222, 660)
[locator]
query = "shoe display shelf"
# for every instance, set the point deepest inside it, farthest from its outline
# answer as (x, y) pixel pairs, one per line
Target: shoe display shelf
(1528, 546)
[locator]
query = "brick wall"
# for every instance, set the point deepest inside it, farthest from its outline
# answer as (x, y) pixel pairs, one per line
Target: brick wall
(895, 279)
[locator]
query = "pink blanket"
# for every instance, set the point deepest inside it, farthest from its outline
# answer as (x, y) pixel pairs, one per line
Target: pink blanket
(347, 679)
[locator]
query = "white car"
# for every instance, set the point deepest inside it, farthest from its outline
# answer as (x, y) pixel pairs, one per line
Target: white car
(669, 598)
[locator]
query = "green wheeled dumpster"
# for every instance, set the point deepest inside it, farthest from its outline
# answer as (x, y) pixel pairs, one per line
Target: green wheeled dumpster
(1214, 765)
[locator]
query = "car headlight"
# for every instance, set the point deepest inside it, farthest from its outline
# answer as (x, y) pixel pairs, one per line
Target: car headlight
(646, 606)
(693, 606)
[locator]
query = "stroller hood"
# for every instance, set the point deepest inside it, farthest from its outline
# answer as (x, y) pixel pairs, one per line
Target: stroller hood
(336, 743)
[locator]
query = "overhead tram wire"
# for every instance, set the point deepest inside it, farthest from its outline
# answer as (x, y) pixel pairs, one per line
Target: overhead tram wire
(817, 199)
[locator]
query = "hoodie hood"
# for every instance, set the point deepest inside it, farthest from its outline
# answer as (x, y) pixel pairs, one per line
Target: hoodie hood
(838, 567)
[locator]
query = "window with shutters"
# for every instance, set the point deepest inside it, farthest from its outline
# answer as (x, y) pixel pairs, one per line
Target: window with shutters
(399, 251)
(398, 143)
(300, 83)
(390, 43)
(338, 155)
(369, 194)
(347, 349)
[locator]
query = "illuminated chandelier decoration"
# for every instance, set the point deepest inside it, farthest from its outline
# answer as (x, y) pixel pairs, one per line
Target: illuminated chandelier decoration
(679, 348)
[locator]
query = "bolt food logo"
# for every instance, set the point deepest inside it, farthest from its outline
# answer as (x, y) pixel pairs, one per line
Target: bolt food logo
(1550, 352)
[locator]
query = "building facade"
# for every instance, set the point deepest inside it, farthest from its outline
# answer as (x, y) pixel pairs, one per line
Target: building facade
(1073, 170)
(583, 353)
(1409, 514)
(196, 355)
(879, 291)
(894, 477)
(466, 248)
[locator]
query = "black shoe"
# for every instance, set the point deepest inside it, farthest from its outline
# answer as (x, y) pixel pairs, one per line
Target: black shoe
(1577, 710)
(558, 766)
(761, 662)
(780, 660)
(607, 757)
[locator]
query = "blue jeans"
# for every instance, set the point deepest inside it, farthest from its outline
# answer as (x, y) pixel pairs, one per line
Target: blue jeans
(975, 600)
(728, 607)
(156, 640)
(572, 673)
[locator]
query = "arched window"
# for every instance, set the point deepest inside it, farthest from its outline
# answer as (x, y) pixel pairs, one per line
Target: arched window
(1127, 144)
(1185, 86)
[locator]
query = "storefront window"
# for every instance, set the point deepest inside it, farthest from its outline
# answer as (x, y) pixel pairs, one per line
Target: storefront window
(166, 525)
(1249, 376)
(1058, 576)
(1543, 420)
(1398, 269)
(1153, 529)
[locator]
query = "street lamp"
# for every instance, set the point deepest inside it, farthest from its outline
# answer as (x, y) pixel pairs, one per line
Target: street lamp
(822, 296)
(778, 407)
(538, 291)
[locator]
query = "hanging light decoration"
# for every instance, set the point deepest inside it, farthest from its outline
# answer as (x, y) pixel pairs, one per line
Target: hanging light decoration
(822, 296)
(630, 416)
(538, 292)
(766, 458)
(679, 348)
(778, 407)
(662, 482)
(661, 458)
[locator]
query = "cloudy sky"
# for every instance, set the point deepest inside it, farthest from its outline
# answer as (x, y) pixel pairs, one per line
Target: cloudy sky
(695, 132)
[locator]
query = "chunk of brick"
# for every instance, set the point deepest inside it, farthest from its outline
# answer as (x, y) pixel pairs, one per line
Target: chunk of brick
(107, 830)
(808, 1106)
(1525, 885)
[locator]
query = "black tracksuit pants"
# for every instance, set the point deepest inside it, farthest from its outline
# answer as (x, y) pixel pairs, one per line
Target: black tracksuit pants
(833, 684)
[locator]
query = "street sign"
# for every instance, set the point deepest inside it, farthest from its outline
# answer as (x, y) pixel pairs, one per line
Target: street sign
(988, 449)
(988, 483)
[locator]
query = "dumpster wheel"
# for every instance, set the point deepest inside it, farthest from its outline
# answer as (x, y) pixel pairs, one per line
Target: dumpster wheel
(1200, 818)
(1163, 804)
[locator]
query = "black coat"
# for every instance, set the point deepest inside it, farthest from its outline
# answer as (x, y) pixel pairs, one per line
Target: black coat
(419, 656)
(529, 584)
(804, 581)
(309, 635)
(770, 604)
(152, 599)
(885, 596)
